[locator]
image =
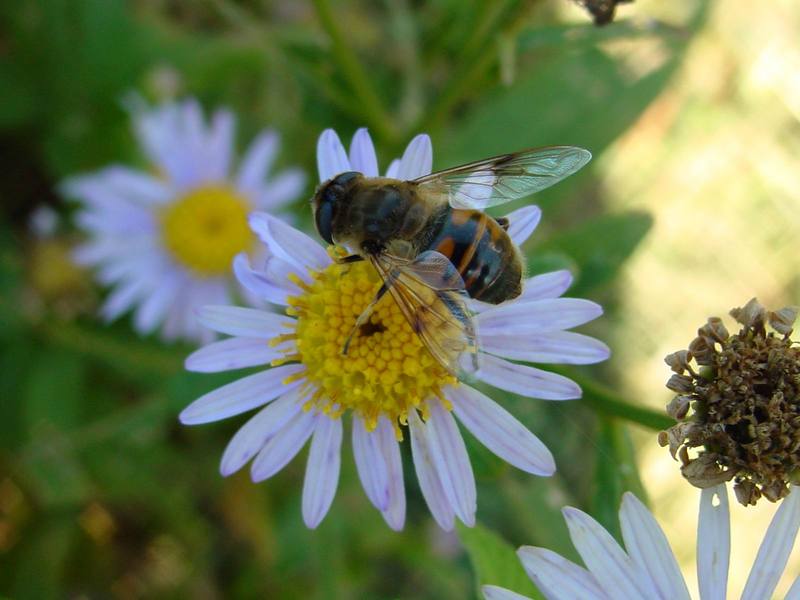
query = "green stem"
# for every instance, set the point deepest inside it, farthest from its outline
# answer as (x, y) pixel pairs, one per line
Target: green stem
(352, 70)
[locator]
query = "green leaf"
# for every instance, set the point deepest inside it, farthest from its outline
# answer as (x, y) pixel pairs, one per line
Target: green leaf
(494, 561)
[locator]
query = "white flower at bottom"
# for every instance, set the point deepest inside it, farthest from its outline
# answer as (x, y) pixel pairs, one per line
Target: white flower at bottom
(647, 567)
(164, 241)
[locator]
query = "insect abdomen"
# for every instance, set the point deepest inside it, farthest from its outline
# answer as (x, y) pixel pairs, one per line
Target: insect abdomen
(484, 255)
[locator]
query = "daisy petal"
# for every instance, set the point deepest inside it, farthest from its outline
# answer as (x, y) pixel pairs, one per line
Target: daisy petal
(233, 353)
(155, 306)
(331, 157)
(648, 548)
(546, 285)
(123, 298)
(395, 513)
(243, 322)
(257, 161)
(288, 243)
(241, 395)
(252, 436)
(257, 283)
(281, 189)
(558, 578)
(563, 347)
(526, 381)
(794, 591)
(452, 462)
(522, 223)
(219, 145)
(417, 159)
(537, 316)
(283, 446)
(493, 592)
(322, 470)
(613, 570)
(362, 154)
(713, 543)
(775, 549)
(429, 481)
(394, 168)
(372, 469)
(501, 433)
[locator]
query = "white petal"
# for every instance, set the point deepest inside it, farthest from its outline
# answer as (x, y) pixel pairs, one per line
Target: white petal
(713, 543)
(427, 476)
(614, 571)
(537, 316)
(372, 469)
(283, 446)
(257, 161)
(240, 396)
(452, 462)
(493, 592)
(394, 169)
(522, 223)
(417, 159)
(395, 513)
(775, 549)
(794, 591)
(526, 381)
(501, 433)
(546, 285)
(283, 188)
(233, 353)
(244, 322)
(331, 157)
(288, 243)
(557, 347)
(648, 548)
(558, 578)
(252, 436)
(152, 311)
(322, 470)
(124, 297)
(219, 145)
(362, 154)
(260, 284)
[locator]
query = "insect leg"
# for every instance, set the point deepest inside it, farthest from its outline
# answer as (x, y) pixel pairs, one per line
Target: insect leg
(365, 314)
(344, 260)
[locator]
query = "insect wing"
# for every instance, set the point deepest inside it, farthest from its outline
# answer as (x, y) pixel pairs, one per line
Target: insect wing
(504, 178)
(430, 294)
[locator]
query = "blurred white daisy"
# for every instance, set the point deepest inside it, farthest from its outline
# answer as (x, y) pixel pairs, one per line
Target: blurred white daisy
(647, 568)
(164, 240)
(388, 381)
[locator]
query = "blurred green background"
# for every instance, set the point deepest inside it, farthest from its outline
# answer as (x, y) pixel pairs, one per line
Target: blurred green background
(689, 209)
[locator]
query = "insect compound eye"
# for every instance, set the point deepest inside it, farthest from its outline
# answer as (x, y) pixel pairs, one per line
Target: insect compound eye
(324, 215)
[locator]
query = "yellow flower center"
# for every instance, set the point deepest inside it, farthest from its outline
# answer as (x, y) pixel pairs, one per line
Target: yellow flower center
(206, 228)
(387, 370)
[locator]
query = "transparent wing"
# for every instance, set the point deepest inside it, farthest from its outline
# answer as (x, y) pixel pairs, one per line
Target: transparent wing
(430, 294)
(504, 178)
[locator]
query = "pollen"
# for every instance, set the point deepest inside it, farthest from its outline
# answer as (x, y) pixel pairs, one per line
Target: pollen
(386, 370)
(206, 228)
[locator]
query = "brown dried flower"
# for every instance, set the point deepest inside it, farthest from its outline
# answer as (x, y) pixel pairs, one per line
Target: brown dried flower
(741, 407)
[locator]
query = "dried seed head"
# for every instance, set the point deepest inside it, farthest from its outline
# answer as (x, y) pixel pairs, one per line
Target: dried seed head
(739, 412)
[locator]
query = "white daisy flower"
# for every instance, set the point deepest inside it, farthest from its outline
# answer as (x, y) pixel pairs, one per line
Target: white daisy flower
(165, 240)
(647, 568)
(388, 381)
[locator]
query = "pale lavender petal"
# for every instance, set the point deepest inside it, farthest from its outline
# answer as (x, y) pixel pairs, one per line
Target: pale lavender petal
(713, 543)
(362, 154)
(283, 446)
(774, 551)
(118, 183)
(219, 145)
(417, 159)
(257, 161)
(613, 570)
(288, 243)
(240, 396)
(428, 478)
(252, 436)
(395, 513)
(522, 223)
(322, 470)
(124, 297)
(558, 578)
(154, 308)
(647, 546)
(233, 353)
(525, 380)
(281, 189)
(493, 592)
(452, 462)
(557, 347)
(537, 316)
(372, 469)
(546, 285)
(394, 169)
(501, 433)
(260, 284)
(244, 322)
(331, 157)
(794, 591)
